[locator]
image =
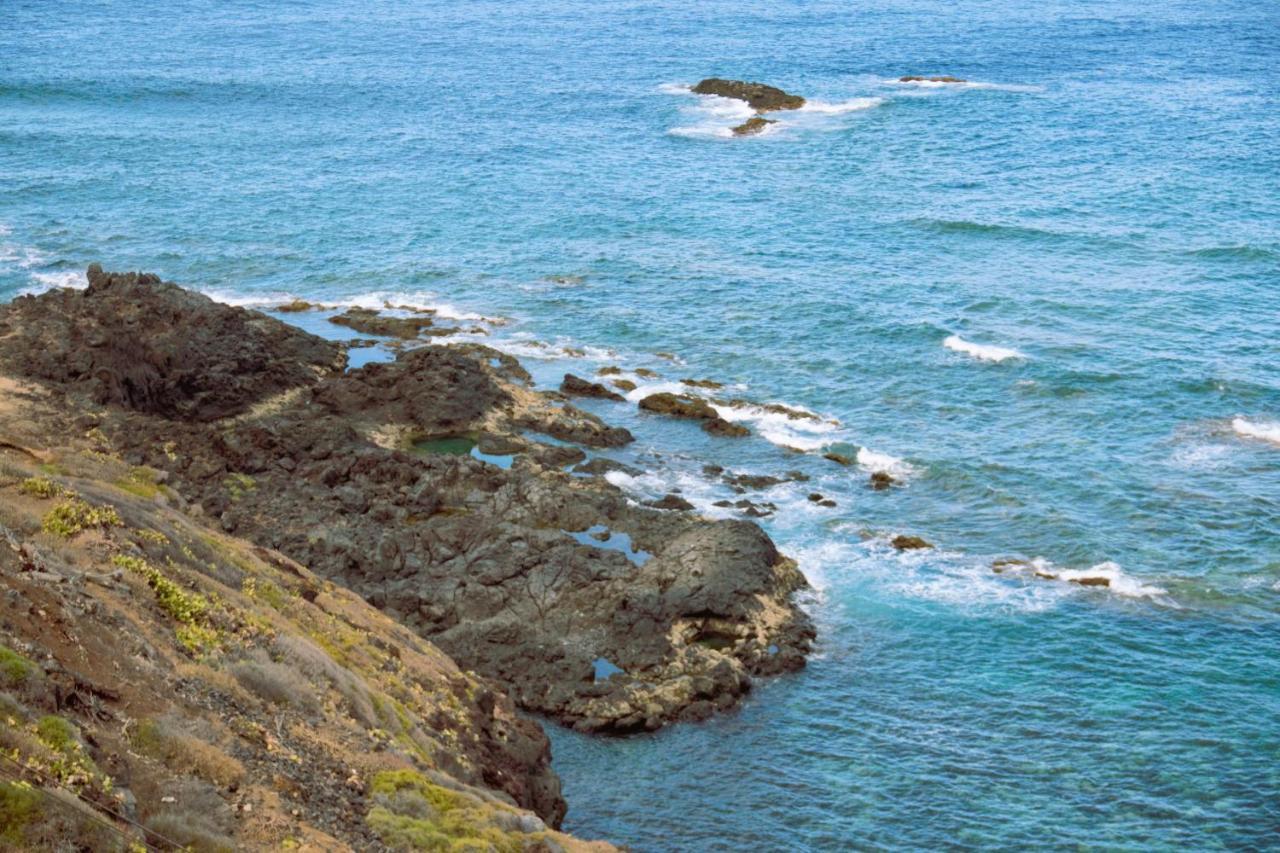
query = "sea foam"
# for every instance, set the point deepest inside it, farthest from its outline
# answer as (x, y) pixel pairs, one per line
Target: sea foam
(1265, 430)
(982, 352)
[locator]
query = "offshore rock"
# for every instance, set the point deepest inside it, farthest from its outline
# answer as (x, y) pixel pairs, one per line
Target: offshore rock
(760, 97)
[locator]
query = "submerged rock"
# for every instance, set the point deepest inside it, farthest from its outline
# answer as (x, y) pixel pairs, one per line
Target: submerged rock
(752, 126)
(916, 79)
(838, 458)
(759, 97)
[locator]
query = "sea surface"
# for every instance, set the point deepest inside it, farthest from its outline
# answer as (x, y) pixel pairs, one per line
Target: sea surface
(1047, 301)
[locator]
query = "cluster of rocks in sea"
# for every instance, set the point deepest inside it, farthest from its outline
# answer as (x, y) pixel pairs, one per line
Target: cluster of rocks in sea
(759, 96)
(259, 426)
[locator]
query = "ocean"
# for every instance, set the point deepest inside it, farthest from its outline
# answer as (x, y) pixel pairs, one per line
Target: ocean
(1047, 301)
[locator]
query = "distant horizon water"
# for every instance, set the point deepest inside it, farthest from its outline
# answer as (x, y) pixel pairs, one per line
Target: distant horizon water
(1045, 300)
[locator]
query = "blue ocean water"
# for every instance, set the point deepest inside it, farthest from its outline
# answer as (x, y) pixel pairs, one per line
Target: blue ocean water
(1049, 301)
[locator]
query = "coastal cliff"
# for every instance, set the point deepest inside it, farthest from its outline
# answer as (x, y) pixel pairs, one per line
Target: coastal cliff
(221, 541)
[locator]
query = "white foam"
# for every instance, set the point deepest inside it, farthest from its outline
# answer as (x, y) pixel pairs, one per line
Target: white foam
(982, 352)
(875, 461)
(967, 84)
(246, 300)
(1117, 581)
(812, 433)
(51, 280)
(840, 107)
(1265, 430)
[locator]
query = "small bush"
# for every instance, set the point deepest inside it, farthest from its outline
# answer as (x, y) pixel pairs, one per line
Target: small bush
(239, 485)
(155, 537)
(140, 481)
(15, 670)
(19, 807)
(58, 734)
(186, 607)
(185, 753)
(42, 487)
(413, 813)
(277, 684)
(74, 515)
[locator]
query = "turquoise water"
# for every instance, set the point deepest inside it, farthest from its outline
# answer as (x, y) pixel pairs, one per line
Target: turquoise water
(1103, 208)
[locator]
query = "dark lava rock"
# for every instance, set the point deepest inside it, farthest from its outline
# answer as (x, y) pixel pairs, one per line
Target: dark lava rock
(881, 481)
(702, 383)
(838, 458)
(670, 502)
(598, 466)
(752, 126)
(760, 97)
(298, 305)
(1092, 581)
(728, 429)
(624, 385)
(575, 386)
(909, 543)
(480, 560)
(367, 321)
(679, 406)
(131, 340)
(915, 79)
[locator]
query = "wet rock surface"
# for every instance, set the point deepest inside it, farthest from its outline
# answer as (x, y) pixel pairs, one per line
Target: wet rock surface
(753, 126)
(760, 97)
(489, 563)
(369, 321)
(576, 386)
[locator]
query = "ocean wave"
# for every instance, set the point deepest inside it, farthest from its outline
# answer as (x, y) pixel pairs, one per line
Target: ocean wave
(1265, 430)
(45, 281)
(874, 461)
(963, 84)
(808, 432)
(1116, 581)
(982, 352)
(1235, 253)
(840, 107)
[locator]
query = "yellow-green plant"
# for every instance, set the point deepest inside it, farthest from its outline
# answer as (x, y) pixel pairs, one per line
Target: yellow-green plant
(74, 515)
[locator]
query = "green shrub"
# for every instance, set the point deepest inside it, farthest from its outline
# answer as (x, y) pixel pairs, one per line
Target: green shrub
(140, 481)
(413, 813)
(19, 807)
(186, 607)
(57, 734)
(74, 515)
(15, 670)
(42, 487)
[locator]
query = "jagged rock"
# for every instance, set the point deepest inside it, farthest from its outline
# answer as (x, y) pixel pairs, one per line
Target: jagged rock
(758, 96)
(368, 321)
(752, 126)
(129, 339)
(728, 429)
(909, 543)
(488, 563)
(838, 458)
(679, 406)
(670, 502)
(575, 386)
(881, 480)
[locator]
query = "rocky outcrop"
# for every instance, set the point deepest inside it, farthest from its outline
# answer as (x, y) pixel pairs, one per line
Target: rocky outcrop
(368, 321)
(133, 341)
(576, 386)
(758, 96)
(678, 406)
(753, 126)
(526, 575)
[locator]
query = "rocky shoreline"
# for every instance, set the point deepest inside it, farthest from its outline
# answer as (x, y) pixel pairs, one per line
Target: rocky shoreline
(434, 486)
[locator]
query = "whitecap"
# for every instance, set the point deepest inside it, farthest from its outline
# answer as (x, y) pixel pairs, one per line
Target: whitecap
(966, 84)
(840, 107)
(1265, 430)
(45, 281)
(1116, 580)
(982, 352)
(796, 433)
(875, 461)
